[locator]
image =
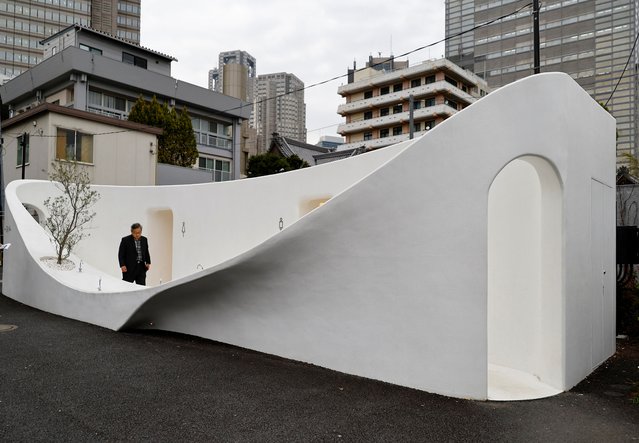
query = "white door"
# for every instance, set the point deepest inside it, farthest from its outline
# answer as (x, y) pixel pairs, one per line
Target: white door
(602, 294)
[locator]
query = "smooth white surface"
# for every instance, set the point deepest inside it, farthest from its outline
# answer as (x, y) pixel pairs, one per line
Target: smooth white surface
(505, 384)
(387, 276)
(525, 310)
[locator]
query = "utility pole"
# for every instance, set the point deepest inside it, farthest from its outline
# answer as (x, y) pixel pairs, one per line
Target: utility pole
(24, 143)
(536, 59)
(411, 122)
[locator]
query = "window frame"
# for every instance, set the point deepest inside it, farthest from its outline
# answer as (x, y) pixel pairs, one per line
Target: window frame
(19, 151)
(132, 59)
(74, 148)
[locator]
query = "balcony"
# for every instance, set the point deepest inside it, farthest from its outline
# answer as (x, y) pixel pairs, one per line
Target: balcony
(395, 119)
(120, 115)
(418, 70)
(213, 140)
(402, 96)
(380, 142)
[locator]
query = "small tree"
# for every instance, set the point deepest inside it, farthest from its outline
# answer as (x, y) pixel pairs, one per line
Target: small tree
(297, 163)
(70, 212)
(177, 144)
(269, 163)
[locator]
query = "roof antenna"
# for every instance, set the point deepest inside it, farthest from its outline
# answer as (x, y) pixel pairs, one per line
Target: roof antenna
(391, 45)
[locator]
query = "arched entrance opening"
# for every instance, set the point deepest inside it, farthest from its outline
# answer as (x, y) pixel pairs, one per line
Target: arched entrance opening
(160, 233)
(525, 289)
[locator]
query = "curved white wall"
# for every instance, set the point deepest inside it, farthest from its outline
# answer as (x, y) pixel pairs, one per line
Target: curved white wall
(389, 278)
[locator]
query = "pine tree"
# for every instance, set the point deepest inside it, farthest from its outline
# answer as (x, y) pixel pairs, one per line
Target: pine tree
(269, 163)
(176, 145)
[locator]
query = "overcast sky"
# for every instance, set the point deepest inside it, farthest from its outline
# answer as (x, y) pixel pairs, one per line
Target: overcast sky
(314, 40)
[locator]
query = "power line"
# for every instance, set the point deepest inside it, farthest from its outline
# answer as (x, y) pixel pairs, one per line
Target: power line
(481, 25)
(624, 69)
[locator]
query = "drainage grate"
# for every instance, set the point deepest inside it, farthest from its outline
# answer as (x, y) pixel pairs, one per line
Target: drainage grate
(7, 328)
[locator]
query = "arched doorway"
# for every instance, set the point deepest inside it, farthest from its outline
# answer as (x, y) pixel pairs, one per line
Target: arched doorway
(525, 290)
(160, 233)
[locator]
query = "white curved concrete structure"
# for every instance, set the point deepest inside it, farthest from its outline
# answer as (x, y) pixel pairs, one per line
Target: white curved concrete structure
(474, 262)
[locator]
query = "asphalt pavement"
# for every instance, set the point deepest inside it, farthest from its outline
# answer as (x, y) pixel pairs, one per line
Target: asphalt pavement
(64, 380)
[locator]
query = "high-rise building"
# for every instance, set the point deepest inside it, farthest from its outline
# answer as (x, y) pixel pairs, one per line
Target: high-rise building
(589, 39)
(235, 76)
(117, 17)
(218, 80)
(280, 108)
(25, 23)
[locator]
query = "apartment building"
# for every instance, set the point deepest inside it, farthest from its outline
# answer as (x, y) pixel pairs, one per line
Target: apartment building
(279, 108)
(591, 40)
(25, 23)
(91, 71)
(381, 98)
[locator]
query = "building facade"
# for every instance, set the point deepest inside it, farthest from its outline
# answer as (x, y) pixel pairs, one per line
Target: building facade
(380, 96)
(235, 76)
(330, 141)
(221, 78)
(25, 23)
(99, 143)
(91, 71)
(280, 108)
(591, 40)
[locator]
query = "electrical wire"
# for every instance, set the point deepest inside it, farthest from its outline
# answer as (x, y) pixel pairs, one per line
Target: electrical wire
(474, 28)
(624, 70)
(338, 76)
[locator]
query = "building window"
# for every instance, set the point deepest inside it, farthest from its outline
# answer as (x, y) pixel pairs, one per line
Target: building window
(109, 105)
(417, 126)
(417, 104)
(430, 102)
(213, 133)
(128, 7)
(415, 82)
(368, 94)
(383, 133)
(384, 111)
(74, 146)
(397, 130)
(451, 103)
(397, 109)
(450, 80)
(221, 169)
(384, 90)
(429, 125)
(134, 60)
(397, 87)
(430, 79)
(368, 136)
(368, 115)
(26, 151)
(90, 49)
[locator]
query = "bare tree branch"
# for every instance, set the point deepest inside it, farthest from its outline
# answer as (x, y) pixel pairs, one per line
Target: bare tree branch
(70, 212)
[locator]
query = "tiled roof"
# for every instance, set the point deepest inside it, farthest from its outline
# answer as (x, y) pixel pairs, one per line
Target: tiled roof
(111, 36)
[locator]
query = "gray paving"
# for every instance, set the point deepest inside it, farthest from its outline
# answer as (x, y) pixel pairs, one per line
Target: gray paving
(63, 380)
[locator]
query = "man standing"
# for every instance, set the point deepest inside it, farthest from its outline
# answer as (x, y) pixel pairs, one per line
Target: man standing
(134, 256)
